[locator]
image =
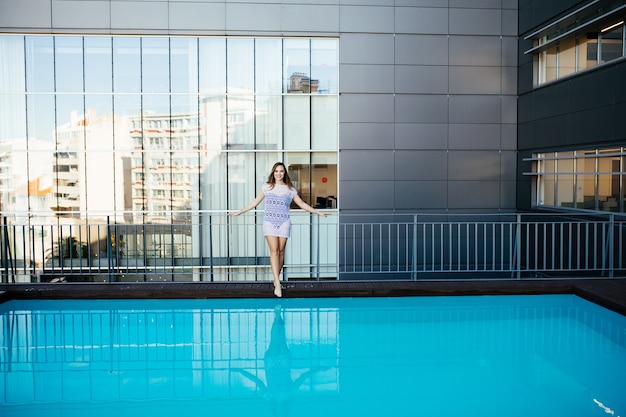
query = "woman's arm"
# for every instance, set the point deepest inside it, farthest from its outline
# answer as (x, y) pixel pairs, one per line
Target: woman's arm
(304, 206)
(250, 206)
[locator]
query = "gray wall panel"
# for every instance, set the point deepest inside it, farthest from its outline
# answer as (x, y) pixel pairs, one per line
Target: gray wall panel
(476, 21)
(508, 195)
(509, 52)
(509, 81)
(197, 16)
(475, 109)
(508, 162)
(253, 17)
(421, 50)
(421, 79)
(25, 14)
(421, 195)
(474, 165)
(366, 49)
(474, 136)
(508, 137)
(589, 125)
(366, 136)
(421, 165)
(485, 51)
(509, 24)
(509, 109)
(366, 195)
(311, 18)
(367, 79)
(421, 108)
(139, 15)
(483, 194)
(475, 80)
(596, 89)
(366, 19)
(86, 14)
(367, 165)
(366, 108)
(421, 136)
(421, 20)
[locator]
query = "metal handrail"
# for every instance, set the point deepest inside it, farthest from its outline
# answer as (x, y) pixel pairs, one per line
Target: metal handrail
(211, 246)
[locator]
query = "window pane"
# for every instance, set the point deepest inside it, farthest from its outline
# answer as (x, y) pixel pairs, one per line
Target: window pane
(268, 66)
(550, 64)
(269, 122)
(565, 183)
(546, 186)
(324, 73)
(12, 117)
(213, 122)
(315, 178)
(12, 65)
(240, 121)
(71, 119)
(612, 44)
(324, 122)
(240, 66)
(128, 132)
(296, 65)
(184, 122)
(40, 179)
(40, 109)
(297, 114)
(588, 51)
(567, 57)
(126, 65)
(212, 181)
(40, 64)
(68, 60)
(184, 64)
(99, 122)
(104, 192)
(212, 63)
(98, 64)
(155, 65)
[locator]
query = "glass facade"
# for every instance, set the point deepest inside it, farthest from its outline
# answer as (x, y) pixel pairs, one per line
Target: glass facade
(584, 179)
(153, 130)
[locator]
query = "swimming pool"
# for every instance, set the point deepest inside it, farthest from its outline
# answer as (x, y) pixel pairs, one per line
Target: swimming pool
(544, 355)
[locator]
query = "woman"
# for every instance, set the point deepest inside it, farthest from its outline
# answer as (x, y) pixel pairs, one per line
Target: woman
(280, 192)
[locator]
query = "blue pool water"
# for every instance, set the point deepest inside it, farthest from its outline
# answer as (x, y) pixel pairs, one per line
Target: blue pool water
(530, 356)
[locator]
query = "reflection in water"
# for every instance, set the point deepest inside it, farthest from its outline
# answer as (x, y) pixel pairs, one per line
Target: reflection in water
(279, 387)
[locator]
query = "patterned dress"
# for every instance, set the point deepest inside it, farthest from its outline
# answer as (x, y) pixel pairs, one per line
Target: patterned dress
(276, 221)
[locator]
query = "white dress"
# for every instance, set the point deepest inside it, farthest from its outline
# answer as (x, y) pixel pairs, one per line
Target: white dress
(276, 221)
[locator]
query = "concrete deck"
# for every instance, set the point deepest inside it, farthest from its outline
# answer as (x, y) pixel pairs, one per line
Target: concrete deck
(610, 293)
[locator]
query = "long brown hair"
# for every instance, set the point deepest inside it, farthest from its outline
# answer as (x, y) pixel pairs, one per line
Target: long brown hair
(272, 181)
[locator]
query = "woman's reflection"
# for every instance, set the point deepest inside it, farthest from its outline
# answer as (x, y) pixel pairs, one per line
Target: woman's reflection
(280, 388)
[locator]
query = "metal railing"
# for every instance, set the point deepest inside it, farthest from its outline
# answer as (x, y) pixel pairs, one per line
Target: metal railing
(516, 245)
(210, 246)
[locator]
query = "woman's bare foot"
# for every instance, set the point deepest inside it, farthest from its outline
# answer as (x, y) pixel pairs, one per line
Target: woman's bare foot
(278, 292)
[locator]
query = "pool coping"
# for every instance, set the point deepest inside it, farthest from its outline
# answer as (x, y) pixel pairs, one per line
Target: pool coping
(609, 293)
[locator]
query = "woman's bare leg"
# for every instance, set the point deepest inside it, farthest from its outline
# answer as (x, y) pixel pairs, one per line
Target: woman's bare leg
(277, 259)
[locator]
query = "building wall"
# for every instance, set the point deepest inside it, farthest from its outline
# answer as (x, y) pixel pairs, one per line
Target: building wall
(578, 112)
(428, 88)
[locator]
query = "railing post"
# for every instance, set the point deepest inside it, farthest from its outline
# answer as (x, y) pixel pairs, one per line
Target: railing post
(210, 246)
(109, 250)
(414, 252)
(611, 245)
(317, 218)
(518, 244)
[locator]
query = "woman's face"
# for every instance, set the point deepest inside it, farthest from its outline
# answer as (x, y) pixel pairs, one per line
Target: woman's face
(279, 173)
